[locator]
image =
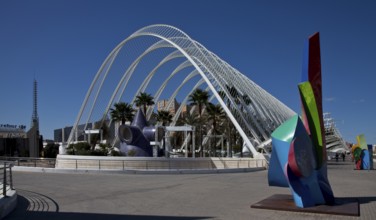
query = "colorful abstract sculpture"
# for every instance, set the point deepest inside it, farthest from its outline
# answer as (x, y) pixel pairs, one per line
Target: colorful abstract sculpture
(298, 158)
(362, 154)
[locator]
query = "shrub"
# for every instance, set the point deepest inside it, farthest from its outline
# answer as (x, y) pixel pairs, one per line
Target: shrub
(236, 148)
(131, 153)
(115, 153)
(51, 150)
(98, 153)
(82, 148)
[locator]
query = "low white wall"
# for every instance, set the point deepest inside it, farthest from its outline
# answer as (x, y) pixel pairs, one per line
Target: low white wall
(8, 203)
(152, 163)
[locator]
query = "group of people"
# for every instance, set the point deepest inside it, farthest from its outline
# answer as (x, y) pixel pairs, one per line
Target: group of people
(343, 155)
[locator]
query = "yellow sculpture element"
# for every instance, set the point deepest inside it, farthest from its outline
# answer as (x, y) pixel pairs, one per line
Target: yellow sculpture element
(362, 141)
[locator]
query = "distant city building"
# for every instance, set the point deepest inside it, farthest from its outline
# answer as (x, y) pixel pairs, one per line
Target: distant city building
(187, 109)
(163, 105)
(62, 134)
(15, 141)
(12, 131)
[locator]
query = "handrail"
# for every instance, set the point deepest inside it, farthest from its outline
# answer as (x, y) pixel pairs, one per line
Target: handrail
(160, 163)
(6, 178)
(30, 161)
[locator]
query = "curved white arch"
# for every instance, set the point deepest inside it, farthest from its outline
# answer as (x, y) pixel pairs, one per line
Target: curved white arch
(164, 84)
(145, 83)
(258, 117)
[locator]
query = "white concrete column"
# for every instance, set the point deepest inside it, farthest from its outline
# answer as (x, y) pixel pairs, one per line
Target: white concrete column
(193, 143)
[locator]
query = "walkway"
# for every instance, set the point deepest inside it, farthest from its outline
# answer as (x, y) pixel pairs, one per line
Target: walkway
(184, 196)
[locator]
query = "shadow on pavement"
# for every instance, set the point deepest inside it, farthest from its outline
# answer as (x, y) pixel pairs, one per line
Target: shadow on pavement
(368, 199)
(32, 206)
(91, 216)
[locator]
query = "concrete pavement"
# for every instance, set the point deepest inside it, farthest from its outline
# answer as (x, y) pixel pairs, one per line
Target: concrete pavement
(175, 196)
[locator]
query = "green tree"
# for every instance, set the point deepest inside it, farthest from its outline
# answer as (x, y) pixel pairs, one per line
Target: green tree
(51, 150)
(189, 119)
(84, 148)
(144, 100)
(101, 151)
(81, 148)
(199, 98)
(234, 94)
(246, 99)
(237, 98)
(165, 117)
(122, 112)
(229, 125)
(215, 115)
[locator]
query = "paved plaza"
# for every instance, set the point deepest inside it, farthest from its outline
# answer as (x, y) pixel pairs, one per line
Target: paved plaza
(178, 196)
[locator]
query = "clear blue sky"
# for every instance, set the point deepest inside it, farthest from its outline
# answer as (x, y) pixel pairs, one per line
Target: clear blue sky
(63, 43)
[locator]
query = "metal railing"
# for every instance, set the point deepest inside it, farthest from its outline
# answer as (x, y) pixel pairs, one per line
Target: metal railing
(159, 164)
(6, 178)
(31, 161)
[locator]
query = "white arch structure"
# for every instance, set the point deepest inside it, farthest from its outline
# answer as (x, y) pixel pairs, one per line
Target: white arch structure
(254, 112)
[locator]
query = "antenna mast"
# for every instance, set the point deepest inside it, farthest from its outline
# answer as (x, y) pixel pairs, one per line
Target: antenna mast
(35, 118)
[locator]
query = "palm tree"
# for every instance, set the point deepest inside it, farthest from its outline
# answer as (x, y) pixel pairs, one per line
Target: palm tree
(199, 98)
(189, 119)
(165, 117)
(229, 123)
(122, 112)
(144, 100)
(234, 93)
(246, 99)
(215, 116)
(237, 97)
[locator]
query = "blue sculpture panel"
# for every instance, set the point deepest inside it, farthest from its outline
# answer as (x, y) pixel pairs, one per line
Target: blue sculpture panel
(135, 138)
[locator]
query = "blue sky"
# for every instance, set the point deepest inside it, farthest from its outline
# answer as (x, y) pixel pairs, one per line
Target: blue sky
(63, 43)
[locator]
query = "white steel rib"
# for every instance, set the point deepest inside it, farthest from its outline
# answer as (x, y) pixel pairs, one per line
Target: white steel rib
(254, 112)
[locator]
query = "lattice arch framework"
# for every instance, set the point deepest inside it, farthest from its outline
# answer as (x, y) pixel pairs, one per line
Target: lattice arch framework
(163, 53)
